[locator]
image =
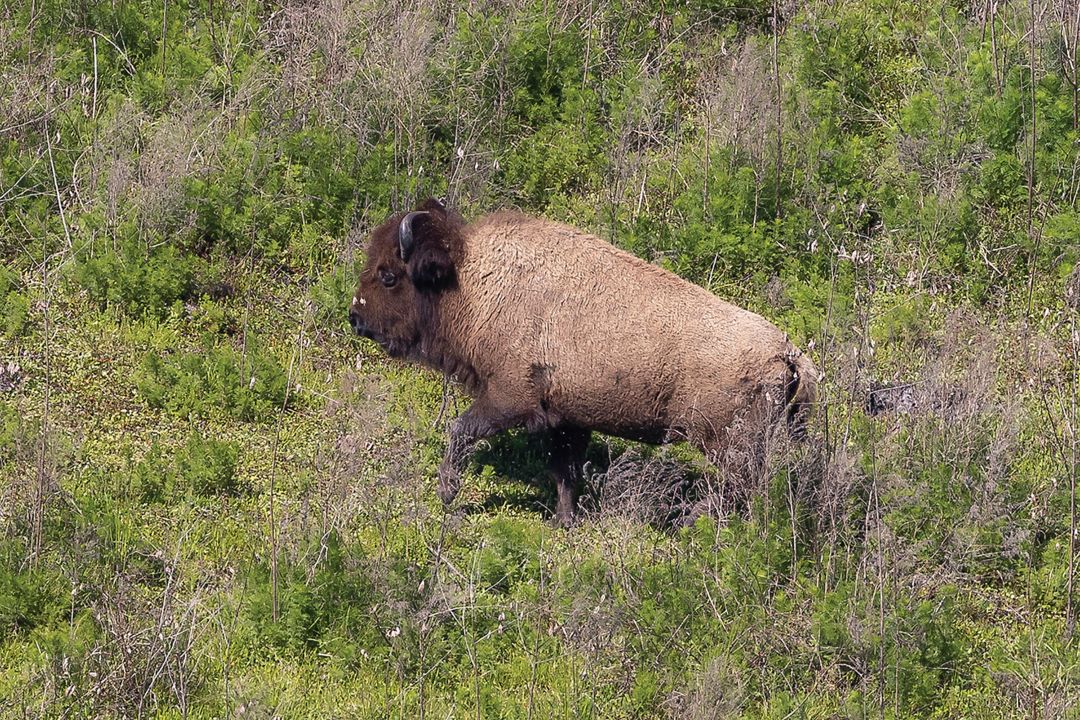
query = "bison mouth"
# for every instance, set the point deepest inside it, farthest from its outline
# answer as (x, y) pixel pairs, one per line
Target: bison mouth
(364, 331)
(388, 346)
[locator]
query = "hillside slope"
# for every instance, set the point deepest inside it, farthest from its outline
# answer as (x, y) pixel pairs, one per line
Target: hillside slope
(215, 501)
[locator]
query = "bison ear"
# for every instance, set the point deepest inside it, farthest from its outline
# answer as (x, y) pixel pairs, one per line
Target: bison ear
(429, 262)
(431, 267)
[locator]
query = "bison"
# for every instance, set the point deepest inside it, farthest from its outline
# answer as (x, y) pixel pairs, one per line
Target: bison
(554, 330)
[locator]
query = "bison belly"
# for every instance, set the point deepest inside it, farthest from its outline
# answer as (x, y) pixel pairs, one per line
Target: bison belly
(659, 388)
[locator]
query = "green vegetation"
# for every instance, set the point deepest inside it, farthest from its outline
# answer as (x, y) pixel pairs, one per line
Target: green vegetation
(248, 386)
(217, 502)
(138, 280)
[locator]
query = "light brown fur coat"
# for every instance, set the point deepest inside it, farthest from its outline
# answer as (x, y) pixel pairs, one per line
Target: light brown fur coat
(592, 336)
(555, 330)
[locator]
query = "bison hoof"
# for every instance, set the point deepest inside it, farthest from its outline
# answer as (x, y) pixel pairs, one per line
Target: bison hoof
(449, 484)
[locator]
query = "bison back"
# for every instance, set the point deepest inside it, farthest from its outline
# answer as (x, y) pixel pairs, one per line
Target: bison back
(602, 339)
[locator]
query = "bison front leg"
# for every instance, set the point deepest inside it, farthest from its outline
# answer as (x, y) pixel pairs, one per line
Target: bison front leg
(480, 421)
(568, 445)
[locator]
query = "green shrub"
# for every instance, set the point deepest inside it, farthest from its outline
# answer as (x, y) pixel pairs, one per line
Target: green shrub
(919, 645)
(207, 467)
(509, 555)
(214, 317)
(329, 609)
(202, 467)
(730, 234)
(282, 198)
(862, 57)
(218, 380)
(150, 476)
(1061, 242)
(903, 323)
(14, 305)
(140, 279)
(10, 424)
(29, 597)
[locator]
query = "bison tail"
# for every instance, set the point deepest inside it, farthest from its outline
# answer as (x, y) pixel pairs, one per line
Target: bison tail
(800, 392)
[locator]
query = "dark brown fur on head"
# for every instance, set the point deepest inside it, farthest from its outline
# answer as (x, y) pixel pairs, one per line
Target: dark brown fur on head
(396, 302)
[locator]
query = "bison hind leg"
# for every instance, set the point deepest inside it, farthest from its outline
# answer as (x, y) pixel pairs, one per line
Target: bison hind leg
(568, 445)
(800, 393)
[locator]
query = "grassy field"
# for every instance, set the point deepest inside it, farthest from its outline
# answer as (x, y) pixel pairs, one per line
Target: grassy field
(215, 501)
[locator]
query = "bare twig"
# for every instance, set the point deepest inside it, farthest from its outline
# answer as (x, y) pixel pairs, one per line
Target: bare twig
(779, 102)
(1074, 51)
(56, 185)
(294, 358)
(993, 46)
(1033, 237)
(1070, 605)
(164, 27)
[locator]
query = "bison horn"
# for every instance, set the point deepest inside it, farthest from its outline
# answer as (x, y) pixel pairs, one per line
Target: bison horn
(405, 233)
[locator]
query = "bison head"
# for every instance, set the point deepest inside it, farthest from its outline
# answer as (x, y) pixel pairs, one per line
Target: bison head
(409, 262)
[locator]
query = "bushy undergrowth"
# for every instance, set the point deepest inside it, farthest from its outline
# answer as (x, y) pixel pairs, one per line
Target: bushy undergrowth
(332, 294)
(202, 467)
(184, 187)
(216, 380)
(138, 279)
(14, 305)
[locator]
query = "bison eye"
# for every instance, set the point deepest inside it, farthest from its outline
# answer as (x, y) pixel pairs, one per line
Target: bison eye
(387, 278)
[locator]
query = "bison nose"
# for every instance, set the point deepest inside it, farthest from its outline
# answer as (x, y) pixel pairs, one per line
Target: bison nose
(356, 322)
(358, 325)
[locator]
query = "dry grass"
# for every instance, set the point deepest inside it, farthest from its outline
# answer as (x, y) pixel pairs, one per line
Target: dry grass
(180, 145)
(358, 65)
(737, 113)
(655, 490)
(717, 692)
(146, 656)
